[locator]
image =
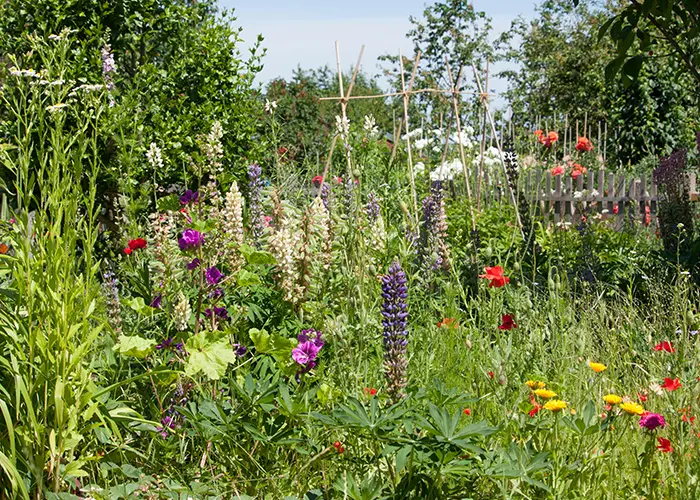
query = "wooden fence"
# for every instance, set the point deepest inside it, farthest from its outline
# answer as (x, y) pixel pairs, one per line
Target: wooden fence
(561, 199)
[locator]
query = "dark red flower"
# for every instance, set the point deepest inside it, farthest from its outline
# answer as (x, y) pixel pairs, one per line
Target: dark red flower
(490, 374)
(507, 322)
(671, 384)
(317, 181)
(128, 251)
(370, 391)
(664, 346)
(137, 244)
(643, 396)
(664, 445)
(338, 447)
(467, 411)
(495, 276)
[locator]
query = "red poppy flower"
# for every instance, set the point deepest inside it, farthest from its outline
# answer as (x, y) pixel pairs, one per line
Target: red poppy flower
(282, 150)
(664, 346)
(616, 209)
(316, 181)
(643, 396)
(128, 251)
(548, 140)
(535, 410)
(339, 180)
(671, 384)
(584, 144)
(467, 411)
(664, 445)
(490, 374)
(495, 276)
(338, 447)
(686, 419)
(577, 170)
(371, 391)
(507, 322)
(558, 170)
(137, 244)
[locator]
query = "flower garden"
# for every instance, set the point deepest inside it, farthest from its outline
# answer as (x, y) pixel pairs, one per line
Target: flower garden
(194, 306)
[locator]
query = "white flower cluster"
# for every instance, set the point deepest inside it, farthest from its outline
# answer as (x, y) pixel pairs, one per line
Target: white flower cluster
(154, 156)
(213, 148)
(232, 219)
(413, 134)
(370, 126)
(342, 126)
(492, 158)
(182, 312)
(465, 138)
(446, 171)
(270, 106)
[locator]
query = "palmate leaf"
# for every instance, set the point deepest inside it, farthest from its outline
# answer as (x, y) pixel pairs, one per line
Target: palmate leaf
(445, 427)
(209, 354)
(133, 345)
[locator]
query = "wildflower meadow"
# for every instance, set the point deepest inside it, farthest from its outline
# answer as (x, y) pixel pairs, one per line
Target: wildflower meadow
(318, 288)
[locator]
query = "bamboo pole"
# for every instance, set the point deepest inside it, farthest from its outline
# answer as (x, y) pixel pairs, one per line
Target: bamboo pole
(406, 124)
(500, 153)
(344, 102)
(480, 173)
(458, 122)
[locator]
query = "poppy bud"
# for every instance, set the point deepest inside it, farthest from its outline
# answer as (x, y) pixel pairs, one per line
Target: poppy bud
(488, 252)
(516, 267)
(469, 344)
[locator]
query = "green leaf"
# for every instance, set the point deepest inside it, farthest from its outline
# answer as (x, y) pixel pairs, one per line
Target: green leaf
(631, 69)
(209, 354)
(246, 278)
(261, 340)
(258, 258)
(136, 303)
(133, 345)
(170, 203)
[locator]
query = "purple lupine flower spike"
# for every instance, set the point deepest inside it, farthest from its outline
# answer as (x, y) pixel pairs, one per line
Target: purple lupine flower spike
(372, 208)
(395, 322)
(213, 275)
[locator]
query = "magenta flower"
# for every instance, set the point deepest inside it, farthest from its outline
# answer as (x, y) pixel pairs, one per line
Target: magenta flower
(193, 264)
(651, 421)
(305, 353)
(213, 275)
(190, 239)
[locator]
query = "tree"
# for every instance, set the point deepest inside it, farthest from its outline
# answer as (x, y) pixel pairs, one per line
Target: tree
(450, 34)
(562, 71)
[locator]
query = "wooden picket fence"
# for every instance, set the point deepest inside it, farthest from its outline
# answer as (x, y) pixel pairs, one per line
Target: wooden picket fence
(561, 199)
(564, 199)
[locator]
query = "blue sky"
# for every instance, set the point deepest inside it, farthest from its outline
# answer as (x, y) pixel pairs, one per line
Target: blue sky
(303, 32)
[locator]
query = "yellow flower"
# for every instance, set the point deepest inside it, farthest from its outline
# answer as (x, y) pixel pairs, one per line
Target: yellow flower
(597, 367)
(573, 412)
(632, 408)
(535, 384)
(612, 399)
(555, 405)
(545, 393)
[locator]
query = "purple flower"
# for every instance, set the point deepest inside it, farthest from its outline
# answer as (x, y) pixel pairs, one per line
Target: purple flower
(372, 209)
(305, 353)
(168, 423)
(395, 324)
(213, 275)
(220, 312)
(155, 303)
(240, 350)
(216, 293)
(190, 239)
(193, 264)
(170, 343)
(651, 421)
(189, 197)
